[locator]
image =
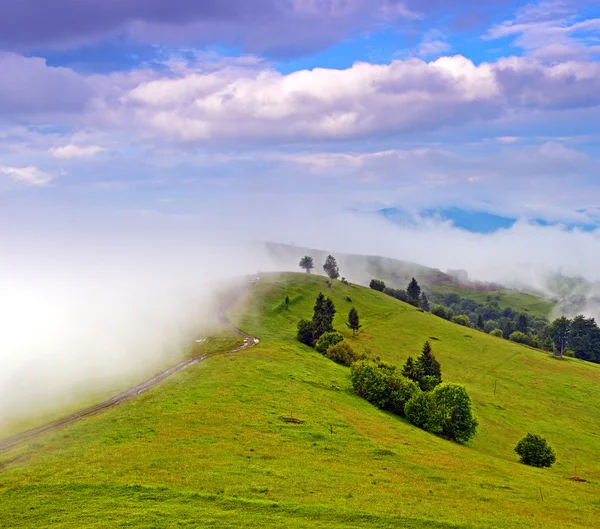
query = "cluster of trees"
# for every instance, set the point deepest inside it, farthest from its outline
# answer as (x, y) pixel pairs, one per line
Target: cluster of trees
(320, 334)
(578, 337)
(417, 393)
(412, 294)
(486, 316)
(330, 267)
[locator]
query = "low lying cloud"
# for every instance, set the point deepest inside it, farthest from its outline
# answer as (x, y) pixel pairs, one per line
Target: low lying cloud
(104, 301)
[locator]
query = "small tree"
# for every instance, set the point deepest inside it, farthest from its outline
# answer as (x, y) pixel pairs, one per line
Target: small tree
(424, 302)
(560, 331)
(522, 323)
(307, 263)
(535, 451)
(377, 284)
(414, 292)
(287, 303)
(353, 321)
(451, 416)
(480, 323)
(428, 364)
(331, 268)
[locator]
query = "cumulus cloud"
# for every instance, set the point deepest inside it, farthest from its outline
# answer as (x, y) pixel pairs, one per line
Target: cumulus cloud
(30, 176)
(76, 151)
(403, 96)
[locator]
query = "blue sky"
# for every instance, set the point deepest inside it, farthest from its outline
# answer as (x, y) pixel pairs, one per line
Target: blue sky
(450, 110)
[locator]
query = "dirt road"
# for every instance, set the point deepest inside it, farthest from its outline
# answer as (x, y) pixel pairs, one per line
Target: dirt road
(11, 442)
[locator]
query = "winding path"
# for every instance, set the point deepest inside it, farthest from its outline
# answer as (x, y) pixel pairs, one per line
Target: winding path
(15, 440)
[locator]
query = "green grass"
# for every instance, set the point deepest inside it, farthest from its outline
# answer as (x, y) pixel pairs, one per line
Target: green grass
(208, 447)
(518, 301)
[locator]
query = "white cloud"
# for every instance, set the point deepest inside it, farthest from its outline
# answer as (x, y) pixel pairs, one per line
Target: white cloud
(32, 176)
(75, 151)
(257, 104)
(552, 30)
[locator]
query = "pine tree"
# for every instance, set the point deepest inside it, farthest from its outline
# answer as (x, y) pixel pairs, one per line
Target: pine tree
(480, 323)
(331, 268)
(306, 263)
(353, 320)
(323, 316)
(412, 370)
(287, 303)
(428, 364)
(414, 292)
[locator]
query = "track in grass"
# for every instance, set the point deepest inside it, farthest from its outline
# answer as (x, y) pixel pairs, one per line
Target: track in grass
(15, 440)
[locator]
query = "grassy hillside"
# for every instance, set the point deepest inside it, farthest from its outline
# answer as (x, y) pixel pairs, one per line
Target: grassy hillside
(360, 269)
(209, 448)
(518, 301)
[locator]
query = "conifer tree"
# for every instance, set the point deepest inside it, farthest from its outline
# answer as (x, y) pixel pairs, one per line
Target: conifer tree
(353, 320)
(480, 323)
(414, 292)
(428, 364)
(424, 302)
(412, 370)
(323, 316)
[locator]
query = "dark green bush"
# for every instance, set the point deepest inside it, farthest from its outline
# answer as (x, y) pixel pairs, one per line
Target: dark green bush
(418, 409)
(445, 411)
(376, 284)
(535, 451)
(440, 312)
(520, 337)
(342, 353)
(497, 333)
(452, 417)
(306, 332)
(401, 390)
(370, 381)
(327, 340)
(462, 320)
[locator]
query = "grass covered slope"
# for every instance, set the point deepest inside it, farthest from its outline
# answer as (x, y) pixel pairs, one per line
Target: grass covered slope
(209, 447)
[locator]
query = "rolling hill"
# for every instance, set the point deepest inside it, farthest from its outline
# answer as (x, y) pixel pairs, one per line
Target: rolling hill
(360, 269)
(210, 448)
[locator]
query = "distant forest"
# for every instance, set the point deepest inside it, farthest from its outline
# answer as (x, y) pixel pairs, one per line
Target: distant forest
(578, 337)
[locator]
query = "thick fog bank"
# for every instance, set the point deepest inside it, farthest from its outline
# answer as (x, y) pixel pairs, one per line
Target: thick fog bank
(89, 301)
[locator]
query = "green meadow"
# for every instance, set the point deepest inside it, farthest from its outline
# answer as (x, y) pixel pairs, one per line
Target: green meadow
(210, 448)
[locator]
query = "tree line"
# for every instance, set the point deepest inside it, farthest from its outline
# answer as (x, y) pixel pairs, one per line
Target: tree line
(578, 337)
